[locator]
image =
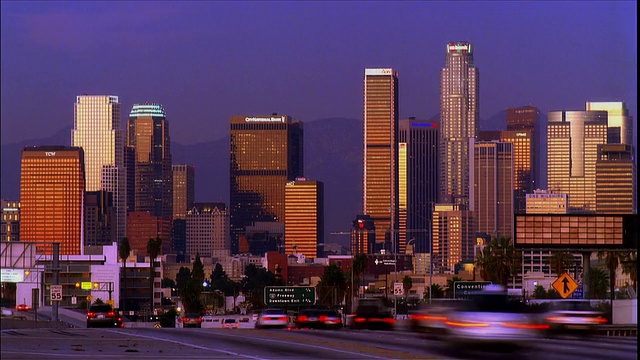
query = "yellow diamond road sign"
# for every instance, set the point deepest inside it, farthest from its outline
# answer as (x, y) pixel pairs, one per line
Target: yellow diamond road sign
(565, 285)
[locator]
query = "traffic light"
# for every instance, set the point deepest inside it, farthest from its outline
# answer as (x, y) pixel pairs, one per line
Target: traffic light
(77, 285)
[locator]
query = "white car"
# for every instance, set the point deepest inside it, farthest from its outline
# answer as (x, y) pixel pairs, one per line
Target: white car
(272, 318)
(573, 317)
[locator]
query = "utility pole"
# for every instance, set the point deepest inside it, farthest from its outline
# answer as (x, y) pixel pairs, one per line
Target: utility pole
(56, 277)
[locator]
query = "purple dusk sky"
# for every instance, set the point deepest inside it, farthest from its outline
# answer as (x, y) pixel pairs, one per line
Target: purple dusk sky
(205, 61)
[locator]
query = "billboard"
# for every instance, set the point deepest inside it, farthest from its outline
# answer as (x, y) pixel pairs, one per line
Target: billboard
(576, 231)
(378, 71)
(459, 47)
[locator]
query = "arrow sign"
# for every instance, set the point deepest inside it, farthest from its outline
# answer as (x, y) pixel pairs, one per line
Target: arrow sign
(565, 285)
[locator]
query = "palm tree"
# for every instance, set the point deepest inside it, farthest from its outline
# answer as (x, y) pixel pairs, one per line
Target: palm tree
(123, 252)
(451, 283)
(499, 261)
(611, 261)
(437, 291)
(407, 284)
(598, 283)
(630, 267)
(153, 249)
(560, 261)
(360, 263)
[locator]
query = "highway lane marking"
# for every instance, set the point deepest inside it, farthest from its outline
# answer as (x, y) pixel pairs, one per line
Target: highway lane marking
(101, 356)
(192, 345)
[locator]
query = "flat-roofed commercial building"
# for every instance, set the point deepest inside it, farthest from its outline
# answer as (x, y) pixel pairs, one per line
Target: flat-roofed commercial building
(52, 198)
(183, 189)
(380, 168)
(363, 236)
(453, 237)
(547, 202)
(10, 227)
(616, 178)
(208, 232)
(304, 217)
(265, 153)
(523, 165)
(573, 138)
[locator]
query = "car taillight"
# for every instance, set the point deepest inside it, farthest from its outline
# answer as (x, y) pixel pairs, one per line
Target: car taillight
(302, 318)
(466, 324)
(597, 320)
(199, 319)
(526, 326)
(390, 320)
(323, 318)
(111, 313)
(283, 318)
(184, 319)
(359, 319)
(91, 314)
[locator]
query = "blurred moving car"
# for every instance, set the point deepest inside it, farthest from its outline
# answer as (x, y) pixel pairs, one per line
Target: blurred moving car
(22, 307)
(573, 317)
(272, 318)
(103, 315)
(373, 315)
(230, 323)
(192, 320)
(491, 316)
(6, 312)
(430, 319)
(319, 319)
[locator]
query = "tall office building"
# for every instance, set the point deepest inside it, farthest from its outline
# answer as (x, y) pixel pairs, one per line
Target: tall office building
(619, 122)
(492, 195)
(616, 179)
(454, 237)
(184, 191)
(380, 170)
(130, 169)
(265, 153)
(148, 133)
(363, 236)
(142, 226)
(523, 168)
(99, 215)
(547, 202)
(573, 138)
(52, 194)
(459, 121)
(10, 227)
(417, 182)
(304, 217)
(524, 119)
(208, 230)
(96, 129)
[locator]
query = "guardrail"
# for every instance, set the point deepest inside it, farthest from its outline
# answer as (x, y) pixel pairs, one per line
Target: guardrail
(617, 330)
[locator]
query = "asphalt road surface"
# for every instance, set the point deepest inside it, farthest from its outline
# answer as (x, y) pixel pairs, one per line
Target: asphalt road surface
(216, 343)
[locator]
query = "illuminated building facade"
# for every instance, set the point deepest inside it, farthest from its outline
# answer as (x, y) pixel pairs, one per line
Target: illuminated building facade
(547, 202)
(619, 122)
(265, 153)
(208, 230)
(363, 236)
(492, 196)
(52, 198)
(417, 182)
(10, 227)
(304, 217)
(96, 129)
(616, 180)
(148, 134)
(380, 168)
(459, 121)
(523, 169)
(573, 138)
(453, 237)
(142, 226)
(184, 191)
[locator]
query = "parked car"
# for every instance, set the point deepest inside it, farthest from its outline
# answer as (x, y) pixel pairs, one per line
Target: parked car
(192, 320)
(103, 315)
(573, 317)
(319, 319)
(230, 323)
(272, 318)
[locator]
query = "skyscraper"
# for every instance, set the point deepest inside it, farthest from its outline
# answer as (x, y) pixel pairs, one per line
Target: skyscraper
(52, 198)
(265, 153)
(619, 122)
(96, 129)
(148, 134)
(304, 217)
(363, 233)
(572, 151)
(616, 180)
(459, 114)
(380, 170)
(453, 237)
(521, 131)
(417, 182)
(183, 189)
(492, 195)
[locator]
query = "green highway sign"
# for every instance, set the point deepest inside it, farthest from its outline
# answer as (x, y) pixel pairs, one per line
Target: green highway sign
(277, 296)
(462, 289)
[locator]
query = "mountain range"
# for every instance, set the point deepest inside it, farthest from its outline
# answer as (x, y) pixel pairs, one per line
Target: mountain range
(332, 154)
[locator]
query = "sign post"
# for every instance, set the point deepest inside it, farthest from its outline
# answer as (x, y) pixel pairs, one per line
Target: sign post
(565, 285)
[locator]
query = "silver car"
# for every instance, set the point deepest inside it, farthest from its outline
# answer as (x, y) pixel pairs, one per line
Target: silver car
(272, 318)
(573, 317)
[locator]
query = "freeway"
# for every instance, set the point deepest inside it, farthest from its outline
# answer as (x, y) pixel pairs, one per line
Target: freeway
(216, 343)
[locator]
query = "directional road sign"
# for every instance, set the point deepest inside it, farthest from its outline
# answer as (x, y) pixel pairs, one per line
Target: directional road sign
(289, 295)
(565, 285)
(579, 293)
(462, 289)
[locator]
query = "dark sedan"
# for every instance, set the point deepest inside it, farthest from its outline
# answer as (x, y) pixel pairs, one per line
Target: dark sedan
(319, 319)
(103, 315)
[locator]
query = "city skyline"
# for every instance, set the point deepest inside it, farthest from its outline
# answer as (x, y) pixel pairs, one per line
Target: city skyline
(311, 73)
